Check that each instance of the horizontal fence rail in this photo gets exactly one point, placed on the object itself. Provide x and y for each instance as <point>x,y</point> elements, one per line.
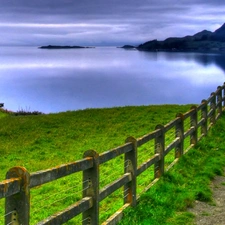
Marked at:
<point>49,175</point>
<point>179,135</point>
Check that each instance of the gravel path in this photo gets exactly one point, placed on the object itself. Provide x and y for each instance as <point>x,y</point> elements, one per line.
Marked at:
<point>212,213</point>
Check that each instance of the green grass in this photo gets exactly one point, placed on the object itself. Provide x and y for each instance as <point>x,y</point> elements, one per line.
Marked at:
<point>30,141</point>
<point>167,201</point>
<point>40,142</point>
<point>43,141</point>
<point>3,113</point>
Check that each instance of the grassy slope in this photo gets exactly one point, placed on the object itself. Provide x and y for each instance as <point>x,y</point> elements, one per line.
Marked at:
<point>43,141</point>
<point>167,201</point>
<point>31,141</point>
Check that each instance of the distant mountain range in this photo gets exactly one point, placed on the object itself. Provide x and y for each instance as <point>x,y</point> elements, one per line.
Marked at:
<point>204,41</point>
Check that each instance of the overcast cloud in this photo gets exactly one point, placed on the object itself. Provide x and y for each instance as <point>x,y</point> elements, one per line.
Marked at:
<point>104,22</point>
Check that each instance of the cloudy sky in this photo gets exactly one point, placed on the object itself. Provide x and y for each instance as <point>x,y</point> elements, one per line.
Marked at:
<point>104,22</point>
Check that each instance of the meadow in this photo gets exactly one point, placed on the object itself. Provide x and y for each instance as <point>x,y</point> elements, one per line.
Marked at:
<point>39,142</point>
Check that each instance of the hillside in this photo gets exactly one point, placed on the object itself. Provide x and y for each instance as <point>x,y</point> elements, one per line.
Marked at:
<point>204,41</point>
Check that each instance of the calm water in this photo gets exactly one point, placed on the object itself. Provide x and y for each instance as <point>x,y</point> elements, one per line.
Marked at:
<point>60,80</point>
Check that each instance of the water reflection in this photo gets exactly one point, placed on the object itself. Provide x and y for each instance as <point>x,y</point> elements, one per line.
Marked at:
<point>218,60</point>
<point>201,58</point>
<point>52,81</point>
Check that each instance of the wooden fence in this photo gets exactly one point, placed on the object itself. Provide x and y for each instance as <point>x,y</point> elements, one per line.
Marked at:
<point>16,188</point>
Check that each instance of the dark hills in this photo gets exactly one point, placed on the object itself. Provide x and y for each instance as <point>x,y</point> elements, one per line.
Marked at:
<point>204,41</point>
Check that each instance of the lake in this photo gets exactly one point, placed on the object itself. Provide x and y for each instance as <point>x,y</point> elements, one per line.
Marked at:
<point>45,80</point>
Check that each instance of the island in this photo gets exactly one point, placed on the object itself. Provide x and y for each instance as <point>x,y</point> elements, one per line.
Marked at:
<point>204,41</point>
<point>61,47</point>
<point>128,47</point>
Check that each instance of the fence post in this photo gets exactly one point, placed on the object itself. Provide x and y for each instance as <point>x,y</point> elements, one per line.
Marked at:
<point>204,127</point>
<point>194,123</point>
<point>219,100</point>
<point>91,189</point>
<point>130,166</point>
<point>159,149</point>
<point>223,95</point>
<point>213,107</point>
<point>179,129</point>
<point>17,206</point>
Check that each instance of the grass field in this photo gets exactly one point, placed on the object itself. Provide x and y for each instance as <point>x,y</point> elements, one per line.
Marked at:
<point>39,142</point>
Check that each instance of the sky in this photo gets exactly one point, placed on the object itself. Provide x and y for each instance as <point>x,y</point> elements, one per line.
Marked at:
<point>104,22</point>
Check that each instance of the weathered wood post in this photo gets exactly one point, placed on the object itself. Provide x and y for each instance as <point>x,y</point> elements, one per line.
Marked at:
<point>194,123</point>
<point>204,115</point>
<point>91,189</point>
<point>223,95</point>
<point>213,108</point>
<point>17,206</point>
<point>219,101</point>
<point>179,133</point>
<point>130,166</point>
<point>159,149</point>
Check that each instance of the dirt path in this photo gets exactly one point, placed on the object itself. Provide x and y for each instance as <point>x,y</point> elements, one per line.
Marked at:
<point>212,213</point>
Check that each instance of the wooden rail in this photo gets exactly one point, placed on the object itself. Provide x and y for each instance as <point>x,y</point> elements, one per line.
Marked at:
<point>16,188</point>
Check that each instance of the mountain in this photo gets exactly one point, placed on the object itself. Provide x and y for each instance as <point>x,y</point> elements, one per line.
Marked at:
<point>204,41</point>
<point>219,34</point>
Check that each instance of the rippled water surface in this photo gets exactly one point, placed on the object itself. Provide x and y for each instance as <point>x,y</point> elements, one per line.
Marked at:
<point>60,80</point>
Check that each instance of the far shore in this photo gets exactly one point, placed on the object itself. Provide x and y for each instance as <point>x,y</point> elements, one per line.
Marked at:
<point>62,47</point>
